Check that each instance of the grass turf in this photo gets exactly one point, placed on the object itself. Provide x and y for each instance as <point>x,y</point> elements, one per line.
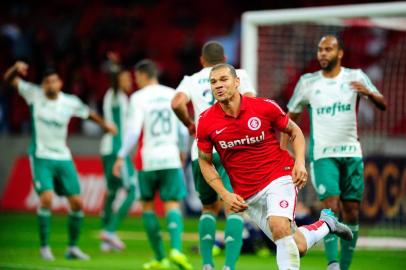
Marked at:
<point>19,248</point>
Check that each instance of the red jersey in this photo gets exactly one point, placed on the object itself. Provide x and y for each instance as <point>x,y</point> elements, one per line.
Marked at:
<point>247,145</point>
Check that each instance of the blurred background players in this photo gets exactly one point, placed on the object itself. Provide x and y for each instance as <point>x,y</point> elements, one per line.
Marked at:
<point>51,162</point>
<point>150,112</point>
<point>337,170</point>
<point>196,89</point>
<point>115,108</point>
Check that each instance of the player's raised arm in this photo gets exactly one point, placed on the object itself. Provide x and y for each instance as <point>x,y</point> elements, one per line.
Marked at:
<point>296,138</point>
<point>12,75</point>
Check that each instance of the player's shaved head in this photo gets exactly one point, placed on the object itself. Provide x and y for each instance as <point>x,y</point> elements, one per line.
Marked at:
<point>213,53</point>
<point>147,67</point>
<point>333,38</point>
<point>230,68</point>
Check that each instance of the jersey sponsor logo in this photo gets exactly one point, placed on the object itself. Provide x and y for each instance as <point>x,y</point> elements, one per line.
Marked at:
<point>242,141</point>
<point>50,123</point>
<point>221,130</point>
<point>333,109</point>
<point>340,149</point>
<point>254,123</point>
<point>284,204</point>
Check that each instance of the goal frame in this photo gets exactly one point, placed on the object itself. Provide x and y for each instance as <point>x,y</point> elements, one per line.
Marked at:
<point>251,20</point>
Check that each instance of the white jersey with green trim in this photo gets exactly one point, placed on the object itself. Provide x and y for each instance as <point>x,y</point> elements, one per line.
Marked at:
<point>50,119</point>
<point>150,110</point>
<point>333,107</point>
<point>197,89</point>
<point>115,109</point>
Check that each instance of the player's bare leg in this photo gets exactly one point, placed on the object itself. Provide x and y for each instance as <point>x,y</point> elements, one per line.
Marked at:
<point>350,213</point>
<point>174,221</point>
<point>75,219</point>
<point>331,240</point>
<point>44,221</point>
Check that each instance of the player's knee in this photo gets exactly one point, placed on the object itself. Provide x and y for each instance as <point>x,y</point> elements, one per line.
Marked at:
<point>213,208</point>
<point>279,228</point>
<point>46,199</point>
<point>332,203</point>
<point>350,215</point>
<point>75,203</point>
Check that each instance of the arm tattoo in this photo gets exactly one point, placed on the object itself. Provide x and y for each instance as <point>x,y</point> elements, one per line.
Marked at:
<point>204,156</point>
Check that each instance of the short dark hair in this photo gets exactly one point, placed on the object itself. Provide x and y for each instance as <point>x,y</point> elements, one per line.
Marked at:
<point>148,67</point>
<point>213,52</point>
<point>225,65</point>
<point>48,72</point>
<point>340,42</point>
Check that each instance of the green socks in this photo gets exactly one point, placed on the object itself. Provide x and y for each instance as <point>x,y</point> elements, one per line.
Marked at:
<point>331,247</point>
<point>348,247</point>
<point>74,223</point>
<point>152,227</point>
<point>44,222</point>
<point>175,228</point>
<point>108,209</point>
<point>233,239</point>
<point>207,231</point>
<point>116,218</point>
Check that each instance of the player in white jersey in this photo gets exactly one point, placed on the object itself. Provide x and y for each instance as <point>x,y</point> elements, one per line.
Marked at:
<point>331,96</point>
<point>115,107</point>
<point>196,89</point>
<point>150,112</point>
<point>51,161</point>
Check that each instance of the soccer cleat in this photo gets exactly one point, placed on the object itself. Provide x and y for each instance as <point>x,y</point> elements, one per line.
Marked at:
<point>226,268</point>
<point>180,260</point>
<point>157,265</point>
<point>105,247</point>
<point>336,227</point>
<point>333,266</point>
<point>46,254</point>
<point>75,253</point>
<point>113,240</point>
<point>208,267</point>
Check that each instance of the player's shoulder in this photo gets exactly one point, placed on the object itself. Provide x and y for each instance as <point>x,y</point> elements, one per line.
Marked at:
<point>311,76</point>
<point>69,98</point>
<point>259,102</point>
<point>352,73</point>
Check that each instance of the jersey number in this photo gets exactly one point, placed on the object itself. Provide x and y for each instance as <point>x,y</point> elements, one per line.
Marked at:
<point>161,122</point>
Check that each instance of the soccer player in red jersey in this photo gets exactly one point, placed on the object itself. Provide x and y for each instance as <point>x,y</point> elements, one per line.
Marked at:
<point>265,179</point>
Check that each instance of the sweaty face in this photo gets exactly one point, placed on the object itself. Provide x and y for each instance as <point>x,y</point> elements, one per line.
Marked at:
<point>223,84</point>
<point>52,85</point>
<point>328,53</point>
<point>124,81</point>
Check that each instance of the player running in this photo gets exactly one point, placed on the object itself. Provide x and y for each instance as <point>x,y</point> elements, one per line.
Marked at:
<point>264,177</point>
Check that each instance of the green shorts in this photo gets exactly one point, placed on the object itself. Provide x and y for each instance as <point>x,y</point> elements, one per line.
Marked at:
<point>127,178</point>
<point>208,195</point>
<point>343,177</point>
<point>56,175</point>
<point>168,182</point>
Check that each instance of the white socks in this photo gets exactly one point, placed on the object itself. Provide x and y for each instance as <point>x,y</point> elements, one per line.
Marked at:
<point>314,232</point>
<point>287,254</point>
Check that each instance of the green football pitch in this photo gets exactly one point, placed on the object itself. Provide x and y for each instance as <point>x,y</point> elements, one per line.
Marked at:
<point>19,248</point>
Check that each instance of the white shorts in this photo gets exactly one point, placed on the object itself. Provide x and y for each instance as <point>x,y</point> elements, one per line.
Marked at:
<point>276,199</point>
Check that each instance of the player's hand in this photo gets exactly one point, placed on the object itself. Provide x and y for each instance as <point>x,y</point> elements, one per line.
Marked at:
<point>117,167</point>
<point>360,88</point>
<point>192,129</point>
<point>299,174</point>
<point>110,128</point>
<point>234,203</point>
<point>21,68</point>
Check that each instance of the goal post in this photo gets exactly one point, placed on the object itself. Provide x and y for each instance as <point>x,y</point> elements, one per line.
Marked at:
<point>251,20</point>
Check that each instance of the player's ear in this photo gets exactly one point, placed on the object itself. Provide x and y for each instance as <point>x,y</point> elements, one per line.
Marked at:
<point>202,62</point>
<point>340,53</point>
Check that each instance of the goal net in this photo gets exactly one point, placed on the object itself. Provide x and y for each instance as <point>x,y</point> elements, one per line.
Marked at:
<point>280,46</point>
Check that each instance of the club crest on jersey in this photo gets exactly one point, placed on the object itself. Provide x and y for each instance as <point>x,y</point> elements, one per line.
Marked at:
<point>284,204</point>
<point>254,123</point>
